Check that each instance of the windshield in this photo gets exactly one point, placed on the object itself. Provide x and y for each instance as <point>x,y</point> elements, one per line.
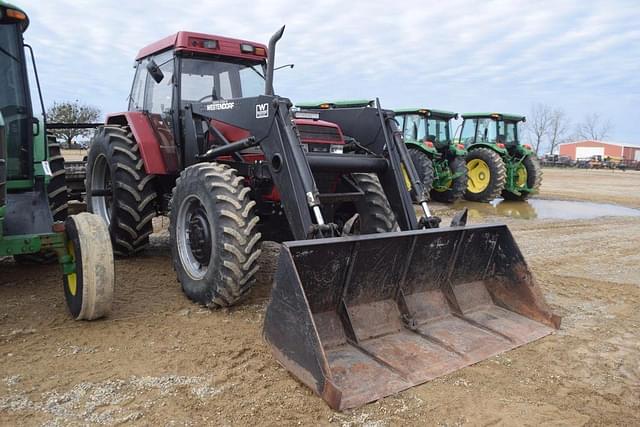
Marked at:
<point>207,80</point>
<point>415,127</point>
<point>14,104</point>
<point>438,131</point>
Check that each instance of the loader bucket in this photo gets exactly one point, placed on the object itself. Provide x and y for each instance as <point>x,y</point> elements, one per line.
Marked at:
<point>360,318</point>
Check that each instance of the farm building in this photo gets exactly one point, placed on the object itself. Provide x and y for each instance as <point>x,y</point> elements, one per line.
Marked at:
<point>587,149</point>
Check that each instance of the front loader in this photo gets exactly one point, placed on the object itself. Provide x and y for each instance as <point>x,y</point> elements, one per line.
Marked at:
<point>368,299</point>
<point>34,226</point>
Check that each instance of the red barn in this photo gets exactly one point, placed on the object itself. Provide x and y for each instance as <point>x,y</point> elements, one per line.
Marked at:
<point>586,149</point>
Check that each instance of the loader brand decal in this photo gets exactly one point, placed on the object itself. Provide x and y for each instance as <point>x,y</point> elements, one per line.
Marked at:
<point>220,106</point>
<point>262,110</point>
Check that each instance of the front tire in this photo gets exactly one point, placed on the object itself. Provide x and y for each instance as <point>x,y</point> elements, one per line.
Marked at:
<point>214,238</point>
<point>456,187</point>
<point>375,213</point>
<point>486,175</point>
<point>127,196</point>
<point>89,291</point>
<point>529,175</point>
<point>424,167</point>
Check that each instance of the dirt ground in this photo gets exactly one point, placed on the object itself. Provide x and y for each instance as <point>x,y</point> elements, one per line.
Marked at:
<point>161,360</point>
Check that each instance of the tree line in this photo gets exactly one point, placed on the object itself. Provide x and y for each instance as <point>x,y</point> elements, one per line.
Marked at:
<point>547,127</point>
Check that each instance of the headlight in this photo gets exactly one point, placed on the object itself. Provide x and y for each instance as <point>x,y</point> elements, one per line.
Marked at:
<point>337,149</point>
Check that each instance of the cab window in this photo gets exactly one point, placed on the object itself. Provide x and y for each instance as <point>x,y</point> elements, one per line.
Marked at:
<point>486,131</point>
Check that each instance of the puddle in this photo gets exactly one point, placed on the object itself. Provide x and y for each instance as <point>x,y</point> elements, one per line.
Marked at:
<point>545,209</point>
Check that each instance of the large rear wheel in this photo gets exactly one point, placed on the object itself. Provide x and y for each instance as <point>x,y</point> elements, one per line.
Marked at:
<point>424,167</point>
<point>214,238</point>
<point>528,176</point>
<point>486,175</point>
<point>453,189</point>
<point>119,189</point>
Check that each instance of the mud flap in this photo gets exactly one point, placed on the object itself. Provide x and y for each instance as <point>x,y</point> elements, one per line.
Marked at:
<point>360,318</point>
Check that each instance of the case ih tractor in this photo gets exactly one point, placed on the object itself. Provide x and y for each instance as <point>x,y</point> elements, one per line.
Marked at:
<point>34,226</point>
<point>367,299</point>
<point>497,163</point>
<point>437,158</point>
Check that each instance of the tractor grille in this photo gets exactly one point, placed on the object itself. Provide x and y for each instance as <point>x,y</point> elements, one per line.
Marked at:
<point>319,133</point>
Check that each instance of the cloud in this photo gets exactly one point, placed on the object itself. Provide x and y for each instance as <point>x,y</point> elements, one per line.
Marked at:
<point>582,56</point>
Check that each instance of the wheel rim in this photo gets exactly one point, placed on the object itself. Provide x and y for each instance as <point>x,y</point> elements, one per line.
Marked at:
<point>72,279</point>
<point>521,176</point>
<point>479,175</point>
<point>101,181</point>
<point>193,237</point>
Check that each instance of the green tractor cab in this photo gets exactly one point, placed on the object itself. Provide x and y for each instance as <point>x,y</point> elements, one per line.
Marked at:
<point>498,164</point>
<point>438,159</point>
<point>34,226</point>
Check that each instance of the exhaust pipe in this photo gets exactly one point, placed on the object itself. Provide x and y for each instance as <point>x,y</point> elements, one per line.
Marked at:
<point>268,90</point>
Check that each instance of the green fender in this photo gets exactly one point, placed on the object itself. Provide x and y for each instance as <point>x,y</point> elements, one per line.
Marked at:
<point>494,147</point>
<point>457,152</point>
<point>431,151</point>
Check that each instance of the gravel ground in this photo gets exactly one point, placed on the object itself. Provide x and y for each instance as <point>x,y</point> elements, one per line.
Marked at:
<point>160,360</point>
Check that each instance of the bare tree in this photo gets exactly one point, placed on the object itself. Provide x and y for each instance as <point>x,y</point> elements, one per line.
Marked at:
<point>559,125</point>
<point>537,125</point>
<point>594,127</point>
<point>72,112</point>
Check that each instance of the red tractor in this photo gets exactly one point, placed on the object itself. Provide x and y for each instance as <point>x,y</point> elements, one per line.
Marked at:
<point>206,141</point>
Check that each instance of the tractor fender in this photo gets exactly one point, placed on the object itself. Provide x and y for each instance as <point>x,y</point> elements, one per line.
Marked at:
<point>524,151</point>
<point>146,137</point>
<point>431,151</point>
<point>494,147</point>
<point>457,150</point>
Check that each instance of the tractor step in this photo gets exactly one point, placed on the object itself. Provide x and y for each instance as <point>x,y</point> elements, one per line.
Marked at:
<point>360,318</point>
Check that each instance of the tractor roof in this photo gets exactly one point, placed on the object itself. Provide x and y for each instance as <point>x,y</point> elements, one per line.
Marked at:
<point>10,14</point>
<point>502,116</point>
<point>431,112</point>
<point>351,103</point>
<point>206,44</point>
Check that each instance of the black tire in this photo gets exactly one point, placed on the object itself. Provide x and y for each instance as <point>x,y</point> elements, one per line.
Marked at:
<point>89,291</point>
<point>458,186</point>
<point>58,201</point>
<point>214,238</point>
<point>115,164</point>
<point>424,166</point>
<point>534,179</point>
<point>491,186</point>
<point>374,211</point>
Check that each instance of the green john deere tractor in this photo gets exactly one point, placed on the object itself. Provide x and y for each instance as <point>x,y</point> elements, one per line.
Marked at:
<point>34,226</point>
<point>498,165</point>
<point>438,160</point>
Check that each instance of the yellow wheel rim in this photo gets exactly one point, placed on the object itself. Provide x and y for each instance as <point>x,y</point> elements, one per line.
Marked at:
<point>521,176</point>
<point>479,175</point>
<point>72,279</point>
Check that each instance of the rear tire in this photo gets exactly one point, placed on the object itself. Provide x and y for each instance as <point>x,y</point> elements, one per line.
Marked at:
<point>424,166</point>
<point>373,208</point>
<point>114,164</point>
<point>458,185</point>
<point>486,175</point>
<point>58,198</point>
<point>89,291</point>
<point>533,171</point>
<point>214,238</point>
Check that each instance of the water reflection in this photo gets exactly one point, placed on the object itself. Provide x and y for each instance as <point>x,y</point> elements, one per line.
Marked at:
<point>545,209</point>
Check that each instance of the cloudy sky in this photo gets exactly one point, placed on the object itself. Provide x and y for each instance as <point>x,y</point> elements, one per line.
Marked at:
<point>501,55</point>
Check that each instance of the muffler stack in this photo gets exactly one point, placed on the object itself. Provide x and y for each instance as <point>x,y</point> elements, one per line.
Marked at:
<point>360,318</point>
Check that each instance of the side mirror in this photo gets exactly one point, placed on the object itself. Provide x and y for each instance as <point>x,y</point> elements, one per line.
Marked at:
<point>155,71</point>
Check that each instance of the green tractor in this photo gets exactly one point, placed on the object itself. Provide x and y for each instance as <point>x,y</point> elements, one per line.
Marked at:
<point>439,161</point>
<point>498,165</point>
<point>34,226</point>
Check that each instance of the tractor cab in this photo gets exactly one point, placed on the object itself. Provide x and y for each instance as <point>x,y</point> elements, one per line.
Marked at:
<point>427,126</point>
<point>497,129</point>
<point>15,104</point>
